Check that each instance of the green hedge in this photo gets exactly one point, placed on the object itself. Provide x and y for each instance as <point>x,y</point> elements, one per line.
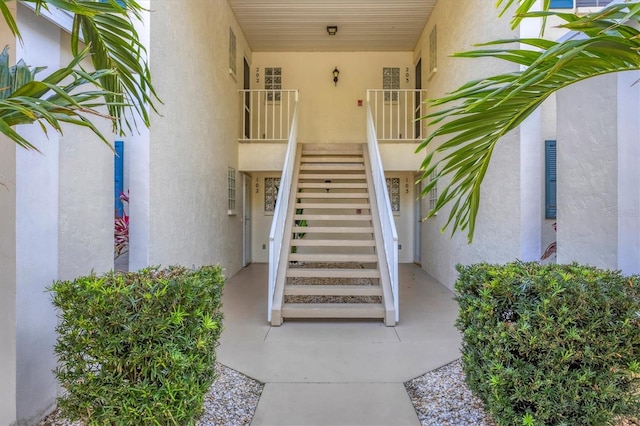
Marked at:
<point>138,348</point>
<point>551,345</point>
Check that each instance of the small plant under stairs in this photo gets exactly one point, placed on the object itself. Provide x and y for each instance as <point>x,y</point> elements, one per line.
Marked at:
<point>333,266</point>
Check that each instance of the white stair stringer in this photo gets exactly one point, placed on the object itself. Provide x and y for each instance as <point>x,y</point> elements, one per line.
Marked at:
<point>331,263</point>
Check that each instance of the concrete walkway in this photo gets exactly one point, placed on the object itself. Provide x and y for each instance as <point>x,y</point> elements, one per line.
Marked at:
<point>339,372</point>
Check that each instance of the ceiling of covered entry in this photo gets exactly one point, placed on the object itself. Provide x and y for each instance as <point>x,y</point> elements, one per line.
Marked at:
<point>301,25</point>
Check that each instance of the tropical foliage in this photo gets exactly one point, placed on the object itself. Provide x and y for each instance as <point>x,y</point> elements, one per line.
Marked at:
<point>121,229</point>
<point>103,34</point>
<point>470,121</point>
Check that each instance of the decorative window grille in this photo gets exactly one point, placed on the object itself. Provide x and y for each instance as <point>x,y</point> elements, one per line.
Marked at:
<point>391,82</point>
<point>232,52</point>
<point>393,187</point>
<point>433,194</point>
<point>433,50</point>
<point>231,184</point>
<point>271,187</point>
<point>273,81</point>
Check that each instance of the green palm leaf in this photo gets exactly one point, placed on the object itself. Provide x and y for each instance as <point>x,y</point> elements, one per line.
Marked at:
<point>107,28</point>
<point>478,114</point>
<point>25,100</point>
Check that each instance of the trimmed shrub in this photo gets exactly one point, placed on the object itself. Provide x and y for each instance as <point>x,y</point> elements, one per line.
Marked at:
<point>137,348</point>
<point>551,345</point>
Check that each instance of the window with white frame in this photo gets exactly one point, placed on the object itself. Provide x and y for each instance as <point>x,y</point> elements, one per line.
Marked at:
<point>433,193</point>
<point>231,185</point>
<point>433,50</point>
<point>273,81</point>
<point>232,52</point>
<point>391,83</point>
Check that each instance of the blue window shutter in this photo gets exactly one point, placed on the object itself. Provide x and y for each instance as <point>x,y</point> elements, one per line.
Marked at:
<point>119,176</point>
<point>550,179</point>
<point>561,4</point>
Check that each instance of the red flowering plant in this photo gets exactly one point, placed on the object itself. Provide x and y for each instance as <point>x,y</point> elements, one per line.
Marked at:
<point>551,248</point>
<point>121,235</point>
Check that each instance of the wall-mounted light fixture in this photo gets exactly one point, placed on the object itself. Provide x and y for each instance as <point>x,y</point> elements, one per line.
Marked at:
<point>328,182</point>
<point>332,30</point>
<point>336,73</point>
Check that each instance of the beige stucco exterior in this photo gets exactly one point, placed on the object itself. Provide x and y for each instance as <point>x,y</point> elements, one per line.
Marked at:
<point>498,225</point>
<point>194,139</point>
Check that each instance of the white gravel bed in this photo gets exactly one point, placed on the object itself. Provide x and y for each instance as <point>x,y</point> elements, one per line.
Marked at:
<point>441,398</point>
<point>231,401</point>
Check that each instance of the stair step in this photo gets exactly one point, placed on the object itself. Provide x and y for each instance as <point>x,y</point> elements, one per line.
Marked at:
<point>335,158</point>
<point>332,273</point>
<point>333,206</point>
<point>332,310</point>
<point>336,195</point>
<point>354,217</point>
<point>322,257</point>
<point>332,243</point>
<point>333,176</point>
<point>322,185</point>
<point>332,229</point>
<point>333,290</point>
<point>355,151</point>
<point>332,167</point>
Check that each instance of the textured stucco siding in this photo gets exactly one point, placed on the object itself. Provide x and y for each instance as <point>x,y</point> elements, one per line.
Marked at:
<point>195,141</point>
<point>498,226</point>
<point>86,197</point>
<point>8,263</point>
<point>37,238</point>
<point>628,213</point>
<point>587,173</point>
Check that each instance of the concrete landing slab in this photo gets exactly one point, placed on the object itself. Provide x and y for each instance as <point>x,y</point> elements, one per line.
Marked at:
<point>334,404</point>
<point>337,372</point>
<point>333,331</point>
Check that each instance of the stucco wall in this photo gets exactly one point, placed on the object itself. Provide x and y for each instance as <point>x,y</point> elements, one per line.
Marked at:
<point>587,172</point>
<point>498,225</point>
<point>37,237</point>
<point>195,141</point>
<point>8,263</point>
<point>330,113</point>
<point>136,164</point>
<point>86,197</point>
<point>7,282</point>
<point>628,213</point>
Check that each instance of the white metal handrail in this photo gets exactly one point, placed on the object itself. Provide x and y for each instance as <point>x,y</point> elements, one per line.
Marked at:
<point>389,232</point>
<point>395,113</point>
<point>276,235</point>
<point>267,114</point>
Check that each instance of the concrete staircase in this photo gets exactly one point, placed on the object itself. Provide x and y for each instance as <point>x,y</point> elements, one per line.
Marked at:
<point>333,268</point>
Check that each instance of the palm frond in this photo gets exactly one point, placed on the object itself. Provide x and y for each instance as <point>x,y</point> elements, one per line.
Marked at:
<point>478,114</point>
<point>108,29</point>
<point>51,101</point>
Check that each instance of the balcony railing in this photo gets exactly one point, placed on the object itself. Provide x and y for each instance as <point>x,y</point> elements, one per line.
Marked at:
<point>267,115</point>
<point>396,112</point>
